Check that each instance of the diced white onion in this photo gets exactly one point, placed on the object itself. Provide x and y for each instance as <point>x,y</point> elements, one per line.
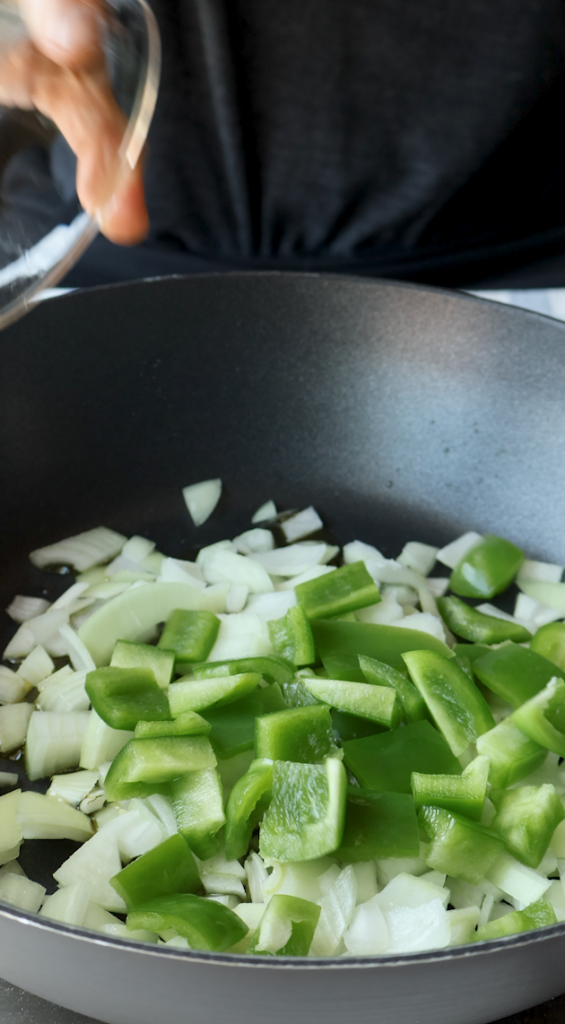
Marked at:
<point>532,570</point>
<point>36,667</point>
<point>417,556</point>
<point>301,524</point>
<point>254,540</point>
<point>533,614</point>
<point>462,924</point>
<point>241,635</point>
<point>8,779</point>
<point>14,720</point>
<point>387,612</point>
<point>13,688</point>
<point>175,571</point>
<point>54,741</point>
<point>101,743</point>
<point>137,548</point>
<point>94,864</point>
<point>366,876</point>
<point>453,553</point>
<point>367,934</point>
<point>437,585</point>
<point>516,880</point>
<point>70,595</point>
<point>292,560</point>
<point>21,892</point>
<point>228,567</point>
<point>79,654</point>
<point>64,693</point>
<point>257,876</point>
<point>45,817</point>
<point>73,787</point>
<point>68,905</point>
<point>271,606</point>
<point>21,644</point>
<point>266,511</point>
<point>81,551</point>
<point>548,593</point>
<point>424,622</point>
<point>358,551</point>
<point>337,910</point>
<point>201,499</point>
<point>237,598</point>
<point>23,608</point>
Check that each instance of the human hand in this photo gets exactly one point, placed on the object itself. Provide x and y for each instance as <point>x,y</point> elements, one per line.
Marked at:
<point>60,71</point>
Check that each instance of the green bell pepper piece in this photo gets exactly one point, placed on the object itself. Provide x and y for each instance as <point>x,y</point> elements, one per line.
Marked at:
<point>143,764</point>
<point>286,916</point>
<point>459,846</point>
<point>205,924</point>
<point>167,868</point>
<point>386,762</point>
<point>233,726</point>
<point>476,626</point>
<point>352,727</point>
<point>537,915</point>
<point>344,590</point>
<point>198,803</point>
<point>377,703</point>
<point>291,637</point>
<point>515,673</point>
<point>269,665</point>
<point>188,724</point>
<point>189,694</point>
<point>190,634</point>
<point>526,820</point>
<point>342,665</point>
<point>386,643</point>
<point>298,734</point>
<point>549,641</point>
<point>543,717</point>
<point>512,755</point>
<point>463,794</point>
<point>246,805</point>
<point>306,816</point>
<point>456,705</point>
<point>470,651</point>
<point>124,696</point>
<point>378,825</point>
<point>412,703</point>
<point>295,693</point>
<point>131,655</point>
<point>487,569</point>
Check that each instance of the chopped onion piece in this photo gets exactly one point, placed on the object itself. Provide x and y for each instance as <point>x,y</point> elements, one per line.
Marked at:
<point>451,554</point>
<point>13,688</point>
<point>301,524</point>
<point>94,864</point>
<point>437,585</point>
<point>532,570</point>
<point>548,593</point>
<point>267,510</point>
<point>292,560</point>
<point>81,551</point>
<point>257,876</point>
<point>23,608</point>
<point>70,595</point>
<point>417,556</point>
<point>367,934</point>
<point>338,908</point>
<point>556,896</point>
<point>271,606</point>
<point>95,918</point>
<point>366,876</point>
<point>73,787</point>
<point>228,567</point>
<point>21,644</point>
<point>79,654</point>
<point>462,924</point>
<point>36,667</point>
<point>46,627</point>
<point>387,612</point>
<point>424,622</point>
<point>237,598</point>
<point>358,551</point>
<point>254,540</point>
<point>101,743</point>
<point>241,635</point>
<point>10,827</point>
<point>201,499</point>
<point>161,806</point>
<point>68,905</point>
<point>64,693</point>
<point>8,780</point>
<point>45,817</point>
<point>297,879</point>
<point>175,571</point>
<point>54,741</point>
<point>138,548</point>
<point>533,614</point>
<point>14,720</point>
<point>516,880</point>
<point>21,892</point>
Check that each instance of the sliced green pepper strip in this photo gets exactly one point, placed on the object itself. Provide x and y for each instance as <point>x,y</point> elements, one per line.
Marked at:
<point>197,694</point>
<point>270,666</point>
<point>188,724</point>
<point>295,693</point>
<point>233,726</point>
<point>124,696</point>
<point>143,764</point>
<point>386,762</point>
<point>456,705</point>
<point>131,655</point>
<point>286,916</point>
<point>537,915</point>
<point>378,825</point>
<point>526,820</point>
<point>515,673</point>
<point>245,807</point>
<point>205,924</point>
<point>291,637</point>
<point>386,643</point>
<point>190,635</point>
<point>549,641</point>
<point>512,755</point>
<point>342,665</point>
<point>476,626</point>
<point>543,717</point>
<point>344,590</point>
<point>306,816</point>
<point>459,846</point>
<point>377,703</point>
<point>167,868</point>
<point>198,803</point>
<point>487,569</point>
<point>470,651</point>
<point>463,794</point>
<point>411,701</point>
<point>298,734</point>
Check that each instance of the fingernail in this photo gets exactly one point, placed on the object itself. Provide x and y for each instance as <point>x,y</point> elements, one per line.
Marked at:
<point>69,27</point>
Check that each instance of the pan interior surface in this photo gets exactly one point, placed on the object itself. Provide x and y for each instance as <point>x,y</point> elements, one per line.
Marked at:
<point>399,412</point>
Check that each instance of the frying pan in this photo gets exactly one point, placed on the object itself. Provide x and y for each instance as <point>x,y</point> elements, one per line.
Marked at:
<point>401,413</point>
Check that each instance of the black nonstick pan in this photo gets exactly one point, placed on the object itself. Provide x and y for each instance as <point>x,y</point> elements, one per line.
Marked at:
<point>400,413</point>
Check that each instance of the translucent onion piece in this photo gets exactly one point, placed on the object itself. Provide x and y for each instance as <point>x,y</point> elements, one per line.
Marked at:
<point>14,720</point>
<point>266,511</point>
<point>21,892</point>
<point>81,551</point>
<point>54,741</point>
<point>201,499</point>
<point>23,608</point>
<point>254,540</point>
<point>452,553</point>
<point>36,667</point>
<point>301,524</point>
<point>417,556</point>
<point>13,688</point>
<point>532,570</point>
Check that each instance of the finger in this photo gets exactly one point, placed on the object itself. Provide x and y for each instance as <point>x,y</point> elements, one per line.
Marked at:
<point>66,31</point>
<point>124,218</point>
